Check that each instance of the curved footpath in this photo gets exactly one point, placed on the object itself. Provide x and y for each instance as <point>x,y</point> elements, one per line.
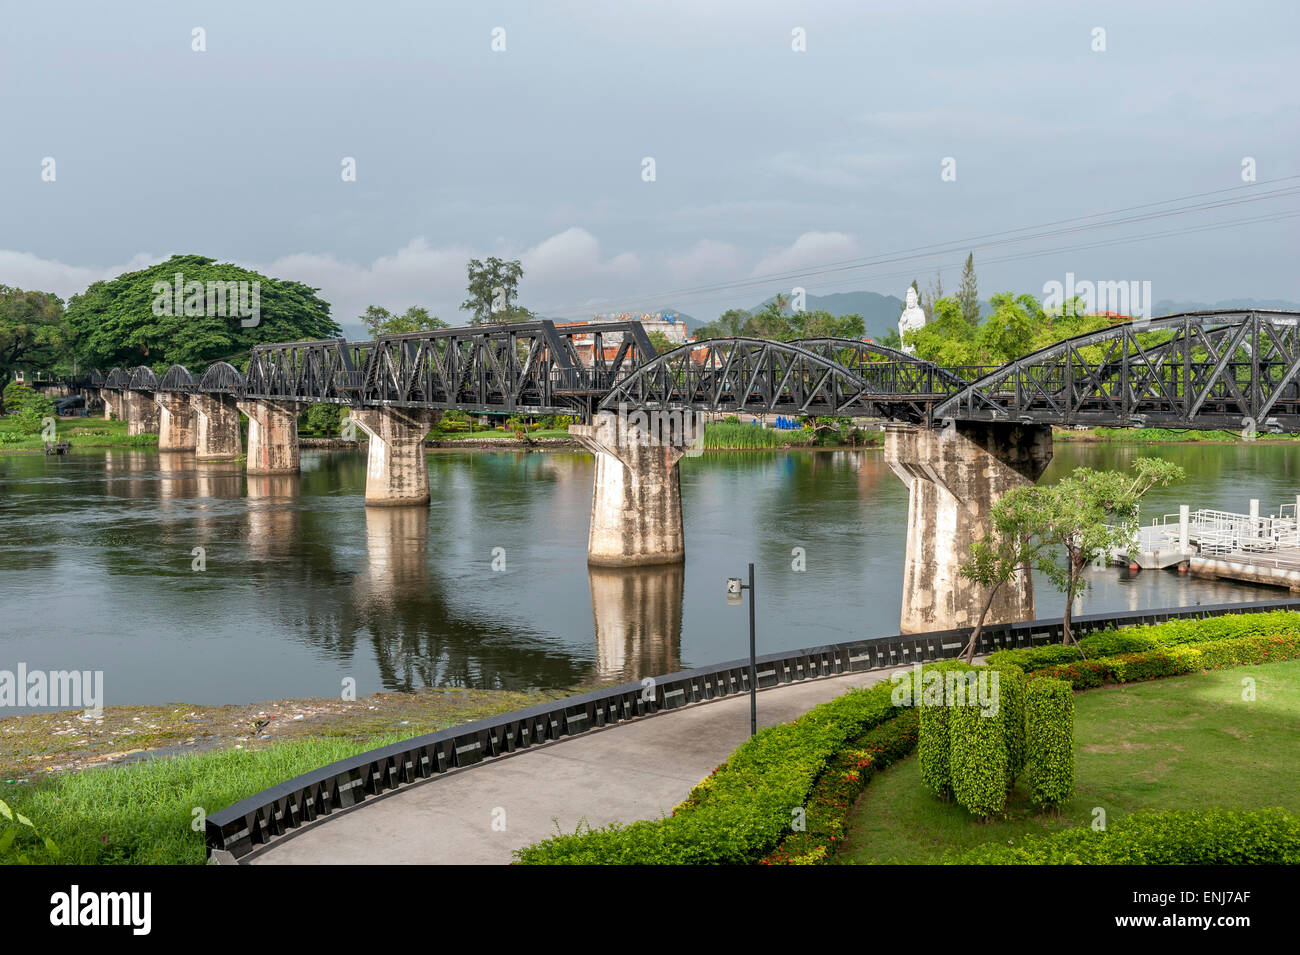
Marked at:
<point>621,773</point>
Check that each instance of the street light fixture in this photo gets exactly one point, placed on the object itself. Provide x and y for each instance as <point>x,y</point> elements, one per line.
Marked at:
<point>734,589</point>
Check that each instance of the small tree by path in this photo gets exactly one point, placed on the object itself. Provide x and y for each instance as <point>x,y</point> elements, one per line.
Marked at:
<point>1010,549</point>
<point>1060,530</point>
<point>1091,513</point>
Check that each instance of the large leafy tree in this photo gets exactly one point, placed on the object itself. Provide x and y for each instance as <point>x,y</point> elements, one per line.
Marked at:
<point>493,288</point>
<point>115,322</point>
<point>33,333</point>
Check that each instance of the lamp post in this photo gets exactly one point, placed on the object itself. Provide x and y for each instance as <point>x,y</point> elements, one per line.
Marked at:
<point>734,588</point>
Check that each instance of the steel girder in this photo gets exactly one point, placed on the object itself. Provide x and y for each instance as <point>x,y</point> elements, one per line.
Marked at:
<point>529,367</point>
<point>1197,370</point>
<point>750,375</point>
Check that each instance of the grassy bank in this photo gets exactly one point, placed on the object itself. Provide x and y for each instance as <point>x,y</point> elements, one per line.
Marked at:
<point>1183,743</point>
<point>78,432</point>
<point>84,785</point>
<point>1162,436</point>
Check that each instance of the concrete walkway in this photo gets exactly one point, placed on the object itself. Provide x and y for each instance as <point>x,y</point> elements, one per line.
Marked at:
<point>478,815</point>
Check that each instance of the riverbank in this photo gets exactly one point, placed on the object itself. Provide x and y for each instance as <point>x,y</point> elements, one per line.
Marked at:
<point>78,432</point>
<point>35,745</point>
<point>1161,436</point>
<point>718,436</point>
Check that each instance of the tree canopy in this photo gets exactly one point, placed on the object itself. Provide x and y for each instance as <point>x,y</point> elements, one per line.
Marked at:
<point>33,333</point>
<point>380,321</point>
<point>493,287</point>
<point>776,320</point>
<point>128,321</point>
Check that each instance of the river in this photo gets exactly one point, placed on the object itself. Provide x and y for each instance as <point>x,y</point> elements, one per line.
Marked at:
<point>303,588</point>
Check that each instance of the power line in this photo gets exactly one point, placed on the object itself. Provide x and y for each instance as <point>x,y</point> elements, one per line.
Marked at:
<point>1056,250</point>
<point>980,242</point>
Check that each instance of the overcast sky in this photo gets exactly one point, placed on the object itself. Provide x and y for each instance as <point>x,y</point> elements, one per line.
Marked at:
<point>767,160</point>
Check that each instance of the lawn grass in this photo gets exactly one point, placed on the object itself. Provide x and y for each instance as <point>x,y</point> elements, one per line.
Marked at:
<point>79,432</point>
<point>142,812</point>
<point>1183,743</point>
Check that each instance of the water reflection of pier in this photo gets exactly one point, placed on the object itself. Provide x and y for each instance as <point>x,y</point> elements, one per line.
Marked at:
<point>638,620</point>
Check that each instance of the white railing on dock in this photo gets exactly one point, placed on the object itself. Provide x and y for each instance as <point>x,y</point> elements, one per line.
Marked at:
<point>1217,533</point>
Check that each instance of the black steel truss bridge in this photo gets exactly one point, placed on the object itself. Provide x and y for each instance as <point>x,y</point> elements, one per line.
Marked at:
<point>1199,370</point>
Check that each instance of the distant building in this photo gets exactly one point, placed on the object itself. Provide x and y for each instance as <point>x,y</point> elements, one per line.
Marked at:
<point>672,327</point>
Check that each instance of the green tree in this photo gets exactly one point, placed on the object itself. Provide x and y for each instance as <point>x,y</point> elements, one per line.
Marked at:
<point>1010,549</point>
<point>1011,329</point>
<point>730,324</point>
<point>493,287</point>
<point>661,342</point>
<point>947,338</point>
<point>968,293</point>
<point>128,320</point>
<point>1062,528</point>
<point>27,407</point>
<point>380,321</point>
<point>821,324</point>
<point>33,333</point>
<point>322,418</point>
<point>891,339</point>
<point>1091,513</point>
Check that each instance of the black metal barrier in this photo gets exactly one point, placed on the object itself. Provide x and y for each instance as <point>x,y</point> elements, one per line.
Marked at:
<point>254,821</point>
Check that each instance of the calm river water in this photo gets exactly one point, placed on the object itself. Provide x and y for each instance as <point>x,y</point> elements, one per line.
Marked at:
<point>304,586</point>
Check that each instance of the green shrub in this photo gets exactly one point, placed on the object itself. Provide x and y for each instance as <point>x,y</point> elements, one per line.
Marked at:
<point>978,756</point>
<point>27,407</point>
<point>1032,658</point>
<point>838,787</point>
<point>932,750</point>
<point>1186,837</point>
<point>1011,711</point>
<point>744,809</point>
<point>933,741</point>
<point>1175,660</point>
<point>1049,741</point>
<point>1171,633</point>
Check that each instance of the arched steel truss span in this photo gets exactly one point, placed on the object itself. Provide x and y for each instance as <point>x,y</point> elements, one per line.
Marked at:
<point>1198,370</point>
<point>750,375</point>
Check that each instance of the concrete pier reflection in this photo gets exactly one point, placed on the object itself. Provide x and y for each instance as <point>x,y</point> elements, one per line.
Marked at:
<point>638,616</point>
<point>272,514</point>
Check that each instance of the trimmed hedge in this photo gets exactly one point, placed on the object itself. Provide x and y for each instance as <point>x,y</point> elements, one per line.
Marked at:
<point>932,747</point>
<point>838,789</point>
<point>1153,636</point>
<point>1049,713</point>
<point>744,809</point>
<point>1011,712</point>
<point>1186,837</point>
<point>1175,660</point>
<point>932,737</point>
<point>980,770</point>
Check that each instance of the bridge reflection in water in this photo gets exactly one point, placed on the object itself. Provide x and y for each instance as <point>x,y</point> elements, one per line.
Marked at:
<point>638,617</point>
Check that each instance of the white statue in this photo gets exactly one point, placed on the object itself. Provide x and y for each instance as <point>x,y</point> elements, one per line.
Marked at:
<point>913,317</point>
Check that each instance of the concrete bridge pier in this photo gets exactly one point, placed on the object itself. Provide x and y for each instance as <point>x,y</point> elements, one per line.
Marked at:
<point>272,436</point>
<point>141,412</point>
<point>396,470</point>
<point>954,476</point>
<point>112,403</point>
<point>636,505</point>
<point>216,427</point>
<point>175,422</point>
